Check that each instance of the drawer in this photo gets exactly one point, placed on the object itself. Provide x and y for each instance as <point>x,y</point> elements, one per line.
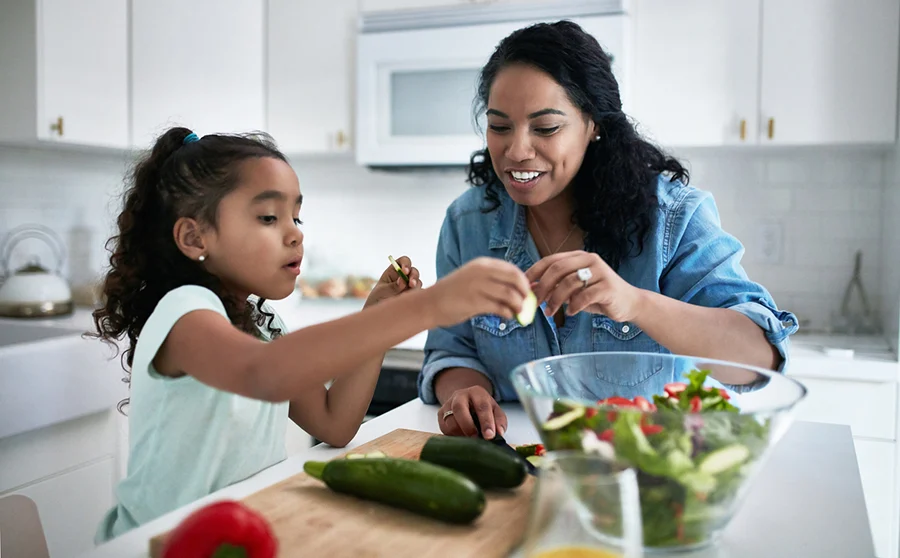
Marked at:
<point>868,408</point>
<point>877,464</point>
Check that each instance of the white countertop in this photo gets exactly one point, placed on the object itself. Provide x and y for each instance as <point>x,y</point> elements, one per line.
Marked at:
<point>295,311</point>
<point>807,500</point>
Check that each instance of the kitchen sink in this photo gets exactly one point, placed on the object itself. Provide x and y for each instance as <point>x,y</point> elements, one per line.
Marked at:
<point>50,374</point>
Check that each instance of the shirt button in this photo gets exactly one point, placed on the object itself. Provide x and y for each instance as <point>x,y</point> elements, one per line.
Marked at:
<point>501,327</point>
<point>625,328</point>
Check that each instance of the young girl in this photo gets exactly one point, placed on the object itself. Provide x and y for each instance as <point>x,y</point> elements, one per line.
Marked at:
<point>208,226</point>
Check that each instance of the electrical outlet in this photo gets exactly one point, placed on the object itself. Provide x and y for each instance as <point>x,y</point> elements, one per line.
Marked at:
<point>770,241</point>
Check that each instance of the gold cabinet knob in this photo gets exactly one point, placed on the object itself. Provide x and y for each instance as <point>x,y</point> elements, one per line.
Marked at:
<point>771,128</point>
<point>340,138</point>
<point>743,129</point>
<point>57,126</point>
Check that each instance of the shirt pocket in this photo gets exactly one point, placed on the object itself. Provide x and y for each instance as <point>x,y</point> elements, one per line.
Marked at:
<point>502,345</point>
<point>495,326</point>
<point>611,336</point>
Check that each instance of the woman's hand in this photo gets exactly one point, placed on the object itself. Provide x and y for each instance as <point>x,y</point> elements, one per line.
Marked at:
<point>555,279</point>
<point>481,286</point>
<point>455,415</point>
<point>391,284</point>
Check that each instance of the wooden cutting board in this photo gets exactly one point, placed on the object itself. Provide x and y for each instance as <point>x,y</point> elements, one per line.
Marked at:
<point>311,520</point>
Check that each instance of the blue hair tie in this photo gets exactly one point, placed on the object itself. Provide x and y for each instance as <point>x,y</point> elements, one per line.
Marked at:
<point>191,138</point>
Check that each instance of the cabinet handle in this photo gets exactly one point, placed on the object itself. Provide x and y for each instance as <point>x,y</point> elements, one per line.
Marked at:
<point>743,129</point>
<point>771,128</point>
<point>340,138</point>
<point>57,126</point>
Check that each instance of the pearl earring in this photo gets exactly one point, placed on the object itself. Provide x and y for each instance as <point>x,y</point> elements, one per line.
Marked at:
<point>597,137</point>
<point>202,258</point>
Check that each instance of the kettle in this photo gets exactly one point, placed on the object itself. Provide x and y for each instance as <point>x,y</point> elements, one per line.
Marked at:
<point>33,291</point>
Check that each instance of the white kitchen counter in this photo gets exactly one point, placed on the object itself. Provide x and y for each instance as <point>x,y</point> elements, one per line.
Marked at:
<point>293,310</point>
<point>807,500</point>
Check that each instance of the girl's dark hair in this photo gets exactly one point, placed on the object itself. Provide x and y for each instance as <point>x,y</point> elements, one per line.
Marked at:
<point>615,188</point>
<point>176,179</point>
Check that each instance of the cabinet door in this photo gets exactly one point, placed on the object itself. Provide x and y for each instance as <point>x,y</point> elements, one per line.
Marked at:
<point>877,468</point>
<point>198,64</point>
<point>310,76</point>
<point>829,71</point>
<point>83,72</point>
<point>71,506</point>
<point>383,5</point>
<point>696,67</point>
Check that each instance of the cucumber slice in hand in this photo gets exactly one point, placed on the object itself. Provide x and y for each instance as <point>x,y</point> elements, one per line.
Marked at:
<point>397,269</point>
<point>529,307</point>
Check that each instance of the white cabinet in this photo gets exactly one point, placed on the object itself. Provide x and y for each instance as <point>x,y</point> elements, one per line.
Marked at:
<point>70,471</point>
<point>384,5</point>
<point>695,71</point>
<point>877,468</point>
<point>829,71</point>
<point>199,64</point>
<point>865,399</point>
<point>71,506</point>
<point>311,53</point>
<point>62,81</point>
<point>785,72</point>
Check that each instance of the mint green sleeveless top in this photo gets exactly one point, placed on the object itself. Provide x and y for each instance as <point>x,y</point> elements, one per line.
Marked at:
<point>187,439</point>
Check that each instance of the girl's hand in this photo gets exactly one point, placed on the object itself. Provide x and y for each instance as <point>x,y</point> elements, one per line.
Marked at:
<point>391,284</point>
<point>465,402</point>
<point>481,286</point>
<point>555,280</point>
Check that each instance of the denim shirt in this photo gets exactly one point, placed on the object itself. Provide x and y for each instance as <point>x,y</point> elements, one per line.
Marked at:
<point>686,256</point>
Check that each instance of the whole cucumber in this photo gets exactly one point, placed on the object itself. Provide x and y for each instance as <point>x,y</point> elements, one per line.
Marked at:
<point>483,462</point>
<point>415,486</point>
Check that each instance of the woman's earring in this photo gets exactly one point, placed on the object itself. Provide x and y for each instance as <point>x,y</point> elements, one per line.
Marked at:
<point>202,257</point>
<point>597,137</point>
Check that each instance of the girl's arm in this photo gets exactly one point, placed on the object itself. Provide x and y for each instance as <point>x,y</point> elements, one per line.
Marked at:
<point>207,346</point>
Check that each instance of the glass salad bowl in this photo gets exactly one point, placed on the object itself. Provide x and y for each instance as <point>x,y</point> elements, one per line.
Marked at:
<point>695,430</point>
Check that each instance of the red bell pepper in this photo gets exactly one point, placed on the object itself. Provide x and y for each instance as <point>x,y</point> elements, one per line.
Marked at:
<point>606,435</point>
<point>590,412</point>
<point>224,529</point>
<point>724,394</point>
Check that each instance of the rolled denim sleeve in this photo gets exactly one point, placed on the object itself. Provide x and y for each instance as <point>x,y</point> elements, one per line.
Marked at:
<point>704,268</point>
<point>449,347</point>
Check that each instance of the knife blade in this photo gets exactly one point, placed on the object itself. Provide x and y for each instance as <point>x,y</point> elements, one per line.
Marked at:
<point>500,441</point>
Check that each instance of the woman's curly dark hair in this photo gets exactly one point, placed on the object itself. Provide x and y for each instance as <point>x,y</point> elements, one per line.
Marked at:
<point>175,180</point>
<point>615,188</point>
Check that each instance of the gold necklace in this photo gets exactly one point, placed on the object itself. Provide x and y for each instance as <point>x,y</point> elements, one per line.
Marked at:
<point>546,244</point>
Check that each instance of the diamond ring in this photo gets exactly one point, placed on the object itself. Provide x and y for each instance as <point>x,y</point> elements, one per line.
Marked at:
<point>447,413</point>
<point>584,275</point>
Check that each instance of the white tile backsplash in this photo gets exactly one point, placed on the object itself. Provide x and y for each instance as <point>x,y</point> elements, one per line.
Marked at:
<point>828,204</point>
<point>890,238</point>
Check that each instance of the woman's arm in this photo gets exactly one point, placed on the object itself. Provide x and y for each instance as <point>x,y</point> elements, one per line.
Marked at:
<point>707,306</point>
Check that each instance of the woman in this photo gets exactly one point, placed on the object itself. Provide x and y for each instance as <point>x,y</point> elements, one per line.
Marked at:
<point>622,254</point>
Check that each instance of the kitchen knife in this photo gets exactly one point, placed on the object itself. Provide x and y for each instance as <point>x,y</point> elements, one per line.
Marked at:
<point>499,441</point>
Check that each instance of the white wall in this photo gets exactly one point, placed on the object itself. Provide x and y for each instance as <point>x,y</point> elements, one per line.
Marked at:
<point>828,204</point>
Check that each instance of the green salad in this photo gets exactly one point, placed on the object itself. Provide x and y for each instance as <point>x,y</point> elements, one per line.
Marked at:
<point>691,448</point>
